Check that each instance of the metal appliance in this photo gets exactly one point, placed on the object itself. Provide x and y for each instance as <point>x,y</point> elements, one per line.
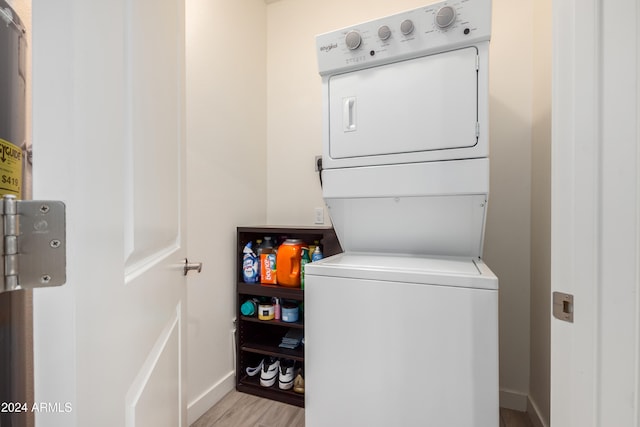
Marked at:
<point>16,375</point>
<point>413,335</point>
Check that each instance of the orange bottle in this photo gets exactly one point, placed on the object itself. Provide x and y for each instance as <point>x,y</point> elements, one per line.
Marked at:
<point>288,263</point>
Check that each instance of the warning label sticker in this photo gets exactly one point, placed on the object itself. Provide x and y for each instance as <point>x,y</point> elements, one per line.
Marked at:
<point>10,169</point>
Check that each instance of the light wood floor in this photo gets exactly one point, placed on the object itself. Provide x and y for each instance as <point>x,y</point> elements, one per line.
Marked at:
<point>244,410</point>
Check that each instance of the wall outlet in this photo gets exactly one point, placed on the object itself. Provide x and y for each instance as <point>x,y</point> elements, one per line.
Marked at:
<point>319,216</point>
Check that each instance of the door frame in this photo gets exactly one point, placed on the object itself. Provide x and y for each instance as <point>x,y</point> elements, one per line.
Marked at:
<point>595,232</point>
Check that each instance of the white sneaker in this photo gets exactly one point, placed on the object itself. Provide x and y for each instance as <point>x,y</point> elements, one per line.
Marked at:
<point>285,379</point>
<point>253,371</point>
<point>269,372</point>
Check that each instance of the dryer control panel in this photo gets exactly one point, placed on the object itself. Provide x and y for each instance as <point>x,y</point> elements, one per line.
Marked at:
<point>441,26</point>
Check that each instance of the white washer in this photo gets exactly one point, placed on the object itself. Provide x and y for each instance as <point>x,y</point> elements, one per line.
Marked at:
<point>402,329</point>
<point>400,341</point>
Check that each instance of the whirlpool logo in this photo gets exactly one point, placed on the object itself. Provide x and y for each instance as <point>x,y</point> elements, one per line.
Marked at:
<point>328,47</point>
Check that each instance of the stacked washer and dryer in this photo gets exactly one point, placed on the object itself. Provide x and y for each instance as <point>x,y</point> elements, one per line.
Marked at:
<point>402,328</point>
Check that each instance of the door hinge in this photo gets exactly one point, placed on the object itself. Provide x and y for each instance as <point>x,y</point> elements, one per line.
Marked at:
<point>34,243</point>
<point>563,306</point>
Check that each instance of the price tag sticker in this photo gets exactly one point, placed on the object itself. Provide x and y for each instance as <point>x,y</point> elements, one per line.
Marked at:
<point>10,169</point>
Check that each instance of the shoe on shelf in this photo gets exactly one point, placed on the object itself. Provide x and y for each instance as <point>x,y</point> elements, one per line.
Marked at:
<point>285,379</point>
<point>298,383</point>
<point>253,371</point>
<point>269,372</point>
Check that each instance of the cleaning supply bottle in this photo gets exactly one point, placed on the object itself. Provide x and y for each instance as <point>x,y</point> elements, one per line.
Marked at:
<point>249,307</point>
<point>258,252</point>
<point>267,243</point>
<point>276,306</point>
<point>249,265</point>
<point>303,262</point>
<point>317,254</point>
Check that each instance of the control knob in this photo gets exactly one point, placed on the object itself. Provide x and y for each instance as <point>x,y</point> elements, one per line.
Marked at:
<point>445,16</point>
<point>406,27</point>
<point>353,39</point>
<point>384,32</point>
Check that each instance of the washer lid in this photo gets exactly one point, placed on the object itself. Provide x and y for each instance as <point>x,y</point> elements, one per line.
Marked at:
<point>443,271</point>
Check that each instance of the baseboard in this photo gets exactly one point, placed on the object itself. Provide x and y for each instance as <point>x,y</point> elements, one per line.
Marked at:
<point>206,400</point>
<point>513,400</point>
<point>534,414</point>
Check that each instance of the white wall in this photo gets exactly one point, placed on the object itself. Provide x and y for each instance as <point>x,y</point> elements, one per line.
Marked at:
<point>294,98</point>
<point>507,239</point>
<point>539,381</point>
<point>226,166</point>
<point>294,137</point>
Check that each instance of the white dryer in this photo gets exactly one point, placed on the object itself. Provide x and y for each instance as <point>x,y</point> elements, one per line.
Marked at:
<point>406,129</point>
<point>402,329</point>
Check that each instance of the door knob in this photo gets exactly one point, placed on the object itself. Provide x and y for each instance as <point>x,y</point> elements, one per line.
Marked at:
<point>188,266</point>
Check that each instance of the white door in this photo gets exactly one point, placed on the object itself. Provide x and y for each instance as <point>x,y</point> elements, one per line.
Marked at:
<point>108,131</point>
<point>595,368</point>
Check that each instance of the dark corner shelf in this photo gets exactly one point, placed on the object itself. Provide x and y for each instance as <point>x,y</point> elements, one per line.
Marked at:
<point>257,339</point>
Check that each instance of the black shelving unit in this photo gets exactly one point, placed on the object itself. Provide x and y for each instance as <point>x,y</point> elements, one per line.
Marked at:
<point>259,339</point>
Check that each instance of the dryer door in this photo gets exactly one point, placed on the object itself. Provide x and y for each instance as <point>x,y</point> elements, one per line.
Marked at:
<point>423,105</point>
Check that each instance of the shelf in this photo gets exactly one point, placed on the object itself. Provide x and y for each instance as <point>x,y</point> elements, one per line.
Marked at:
<point>257,339</point>
<point>261,290</point>
<point>295,325</point>
<point>319,230</point>
<point>296,354</point>
<point>252,385</point>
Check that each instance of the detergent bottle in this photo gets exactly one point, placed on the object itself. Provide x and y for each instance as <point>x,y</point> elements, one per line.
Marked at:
<point>288,262</point>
